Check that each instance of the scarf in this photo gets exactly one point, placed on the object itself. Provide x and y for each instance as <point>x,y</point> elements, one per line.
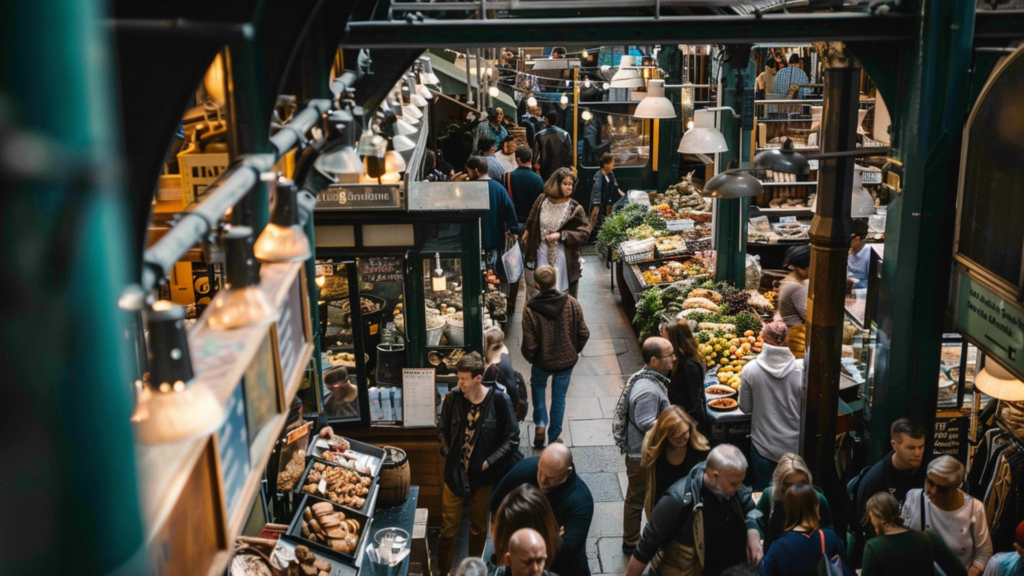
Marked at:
<point>552,217</point>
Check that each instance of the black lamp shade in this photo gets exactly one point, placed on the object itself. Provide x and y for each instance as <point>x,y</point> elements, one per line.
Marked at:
<point>785,159</point>
<point>169,360</point>
<point>241,267</point>
<point>285,212</point>
<point>733,185</point>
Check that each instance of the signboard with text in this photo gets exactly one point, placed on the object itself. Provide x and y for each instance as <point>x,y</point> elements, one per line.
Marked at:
<point>361,197</point>
<point>992,323</point>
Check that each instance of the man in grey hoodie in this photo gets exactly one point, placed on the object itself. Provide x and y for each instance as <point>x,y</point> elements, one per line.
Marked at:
<point>643,399</point>
<point>770,389</point>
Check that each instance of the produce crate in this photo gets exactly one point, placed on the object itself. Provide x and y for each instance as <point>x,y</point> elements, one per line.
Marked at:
<point>371,496</point>
<point>638,270</point>
<point>294,533</point>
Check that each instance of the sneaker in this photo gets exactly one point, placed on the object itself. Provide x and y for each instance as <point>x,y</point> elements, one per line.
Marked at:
<point>559,440</point>
<point>538,437</point>
<point>628,549</point>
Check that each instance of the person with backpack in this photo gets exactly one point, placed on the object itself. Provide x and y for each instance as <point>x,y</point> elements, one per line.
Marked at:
<point>805,549</point>
<point>500,371</point>
<point>902,551</point>
<point>479,440</point>
<point>896,473</point>
<point>554,334</point>
<point>642,400</point>
<point>705,523</point>
<point>941,508</point>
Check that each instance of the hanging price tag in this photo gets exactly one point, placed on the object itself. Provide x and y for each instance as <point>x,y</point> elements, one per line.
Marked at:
<point>322,486</point>
<point>680,225</point>
<point>813,164</point>
<point>785,219</point>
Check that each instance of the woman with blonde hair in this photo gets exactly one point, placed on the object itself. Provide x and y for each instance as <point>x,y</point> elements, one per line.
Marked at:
<point>524,507</point>
<point>555,229</point>
<point>798,550</point>
<point>899,550</point>
<point>672,447</point>
<point>792,470</point>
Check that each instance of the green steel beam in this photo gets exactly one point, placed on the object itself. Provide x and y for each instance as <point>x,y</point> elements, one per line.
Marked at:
<point>849,27</point>
<point>731,214</point>
<point>929,115</point>
<point>68,475</point>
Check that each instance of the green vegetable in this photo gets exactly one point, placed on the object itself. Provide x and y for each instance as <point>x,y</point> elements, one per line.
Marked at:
<point>746,321</point>
<point>615,228</point>
<point>648,314</point>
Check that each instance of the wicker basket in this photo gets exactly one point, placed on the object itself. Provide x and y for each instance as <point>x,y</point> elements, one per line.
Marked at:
<point>641,256</point>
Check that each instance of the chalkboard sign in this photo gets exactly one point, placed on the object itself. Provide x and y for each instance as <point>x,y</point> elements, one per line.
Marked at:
<point>291,331</point>
<point>233,445</point>
<point>747,110</point>
<point>951,436</point>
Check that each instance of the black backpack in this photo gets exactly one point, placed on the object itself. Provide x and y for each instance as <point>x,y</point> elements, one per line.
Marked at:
<point>521,407</point>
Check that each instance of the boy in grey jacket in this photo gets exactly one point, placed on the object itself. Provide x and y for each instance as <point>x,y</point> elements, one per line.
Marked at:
<point>643,398</point>
<point>770,389</point>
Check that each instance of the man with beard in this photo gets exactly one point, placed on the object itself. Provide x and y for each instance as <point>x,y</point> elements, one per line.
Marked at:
<point>570,500</point>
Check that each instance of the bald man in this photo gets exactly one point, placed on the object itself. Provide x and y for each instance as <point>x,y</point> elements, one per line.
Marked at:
<point>643,398</point>
<point>526,554</point>
<point>553,473</point>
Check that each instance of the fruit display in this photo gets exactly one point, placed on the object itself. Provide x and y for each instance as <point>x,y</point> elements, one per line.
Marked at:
<point>681,197</point>
<point>322,524</point>
<point>340,485</point>
<point>673,271</point>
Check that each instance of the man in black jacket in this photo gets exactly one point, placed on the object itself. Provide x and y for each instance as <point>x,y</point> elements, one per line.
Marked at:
<point>896,473</point>
<point>480,443</point>
<point>705,523</point>
<point>552,147</point>
<point>570,500</point>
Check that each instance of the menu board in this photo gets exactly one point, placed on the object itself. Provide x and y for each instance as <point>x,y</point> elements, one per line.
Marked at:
<point>291,331</point>
<point>262,393</point>
<point>233,446</point>
<point>951,438</point>
<point>419,397</point>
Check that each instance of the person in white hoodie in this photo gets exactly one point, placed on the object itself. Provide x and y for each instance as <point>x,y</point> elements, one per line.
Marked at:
<point>770,389</point>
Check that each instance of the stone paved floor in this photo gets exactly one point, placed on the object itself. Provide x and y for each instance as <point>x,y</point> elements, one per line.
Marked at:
<point>611,355</point>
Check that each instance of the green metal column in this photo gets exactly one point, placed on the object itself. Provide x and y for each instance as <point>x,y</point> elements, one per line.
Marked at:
<point>731,214</point>
<point>670,130</point>
<point>68,474</point>
<point>931,106</point>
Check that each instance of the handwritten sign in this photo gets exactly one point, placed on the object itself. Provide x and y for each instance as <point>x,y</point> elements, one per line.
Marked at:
<point>382,270</point>
<point>418,397</point>
<point>951,438</point>
<point>995,325</point>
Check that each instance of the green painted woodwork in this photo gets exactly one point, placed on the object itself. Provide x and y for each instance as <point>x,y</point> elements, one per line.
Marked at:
<point>69,480</point>
<point>731,214</point>
<point>929,114</point>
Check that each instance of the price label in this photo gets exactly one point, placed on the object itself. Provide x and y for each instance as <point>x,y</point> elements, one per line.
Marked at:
<point>680,225</point>
<point>322,486</point>
<point>298,433</point>
<point>786,219</point>
<point>813,164</point>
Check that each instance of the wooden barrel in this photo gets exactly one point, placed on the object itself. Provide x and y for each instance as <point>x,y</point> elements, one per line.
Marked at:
<point>394,478</point>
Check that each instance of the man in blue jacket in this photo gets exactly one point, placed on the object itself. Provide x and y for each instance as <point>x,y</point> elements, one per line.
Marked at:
<point>501,217</point>
<point>570,499</point>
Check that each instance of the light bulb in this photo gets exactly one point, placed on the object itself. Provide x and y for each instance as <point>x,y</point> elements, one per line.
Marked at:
<point>493,91</point>
<point>564,100</point>
<point>586,83</point>
<point>531,101</point>
<point>320,281</point>
<point>586,115</point>
<point>605,68</point>
<point>490,71</point>
<point>606,86</point>
<point>689,125</point>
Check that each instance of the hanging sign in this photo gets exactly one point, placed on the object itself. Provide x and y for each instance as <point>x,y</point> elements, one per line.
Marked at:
<point>993,324</point>
<point>360,197</point>
<point>951,438</point>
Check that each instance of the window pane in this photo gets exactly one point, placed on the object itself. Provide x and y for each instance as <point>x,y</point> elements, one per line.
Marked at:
<point>621,135</point>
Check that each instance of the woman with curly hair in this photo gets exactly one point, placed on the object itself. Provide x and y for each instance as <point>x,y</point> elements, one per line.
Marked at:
<point>555,229</point>
<point>672,447</point>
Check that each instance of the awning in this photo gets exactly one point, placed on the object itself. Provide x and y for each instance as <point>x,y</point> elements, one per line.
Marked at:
<point>453,82</point>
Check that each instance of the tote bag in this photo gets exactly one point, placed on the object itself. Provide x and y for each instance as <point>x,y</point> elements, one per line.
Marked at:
<point>512,260</point>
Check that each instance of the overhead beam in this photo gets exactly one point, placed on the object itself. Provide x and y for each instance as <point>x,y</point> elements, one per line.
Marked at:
<point>848,27</point>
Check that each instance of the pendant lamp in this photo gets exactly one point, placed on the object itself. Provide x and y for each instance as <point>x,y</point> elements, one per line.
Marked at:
<point>283,240</point>
<point>703,138</point>
<point>785,159</point>
<point>627,76</point>
<point>427,76</point>
<point>394,163</point>
<point>403,143</point>
<point>733,184</point>
<point>242,302</point>
<point>403,128</point>
<point>655,105</point>
<point>999,383</point>
<point>343,158</point>
<point>411,113</point>
<point>172,407</point>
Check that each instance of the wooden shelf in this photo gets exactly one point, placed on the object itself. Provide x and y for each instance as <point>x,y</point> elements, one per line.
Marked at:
<point>770,184</point>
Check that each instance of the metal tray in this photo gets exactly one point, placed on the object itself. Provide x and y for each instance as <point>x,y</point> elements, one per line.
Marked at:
<point>368,506</point>
<point>294,533</point>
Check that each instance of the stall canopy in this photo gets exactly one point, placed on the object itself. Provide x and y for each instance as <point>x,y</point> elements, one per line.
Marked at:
<point>453,82</point>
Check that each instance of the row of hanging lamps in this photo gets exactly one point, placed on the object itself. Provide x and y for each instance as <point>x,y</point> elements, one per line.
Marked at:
<point>282,239</point>
<point>242,302</point>
<point>427,75</point>
<point>342,158</point>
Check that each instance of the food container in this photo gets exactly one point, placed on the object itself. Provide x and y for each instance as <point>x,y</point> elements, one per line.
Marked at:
<point>716,391</point>
<point>369,455</point>
<point>368,506</point>
<point>390,361</point>
<point>434,333</point>
<point>294,533</point>
<point>723,404</point>
<point>455,334</point>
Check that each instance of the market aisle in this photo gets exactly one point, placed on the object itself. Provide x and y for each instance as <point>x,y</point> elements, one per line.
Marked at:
<point>611,355</point>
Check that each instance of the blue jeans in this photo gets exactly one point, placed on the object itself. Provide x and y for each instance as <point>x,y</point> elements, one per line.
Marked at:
<point>559,388</point>
<point>763,469</point>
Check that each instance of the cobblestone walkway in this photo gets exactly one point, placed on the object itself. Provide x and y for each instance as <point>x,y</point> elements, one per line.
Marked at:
<point>611,355</point>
